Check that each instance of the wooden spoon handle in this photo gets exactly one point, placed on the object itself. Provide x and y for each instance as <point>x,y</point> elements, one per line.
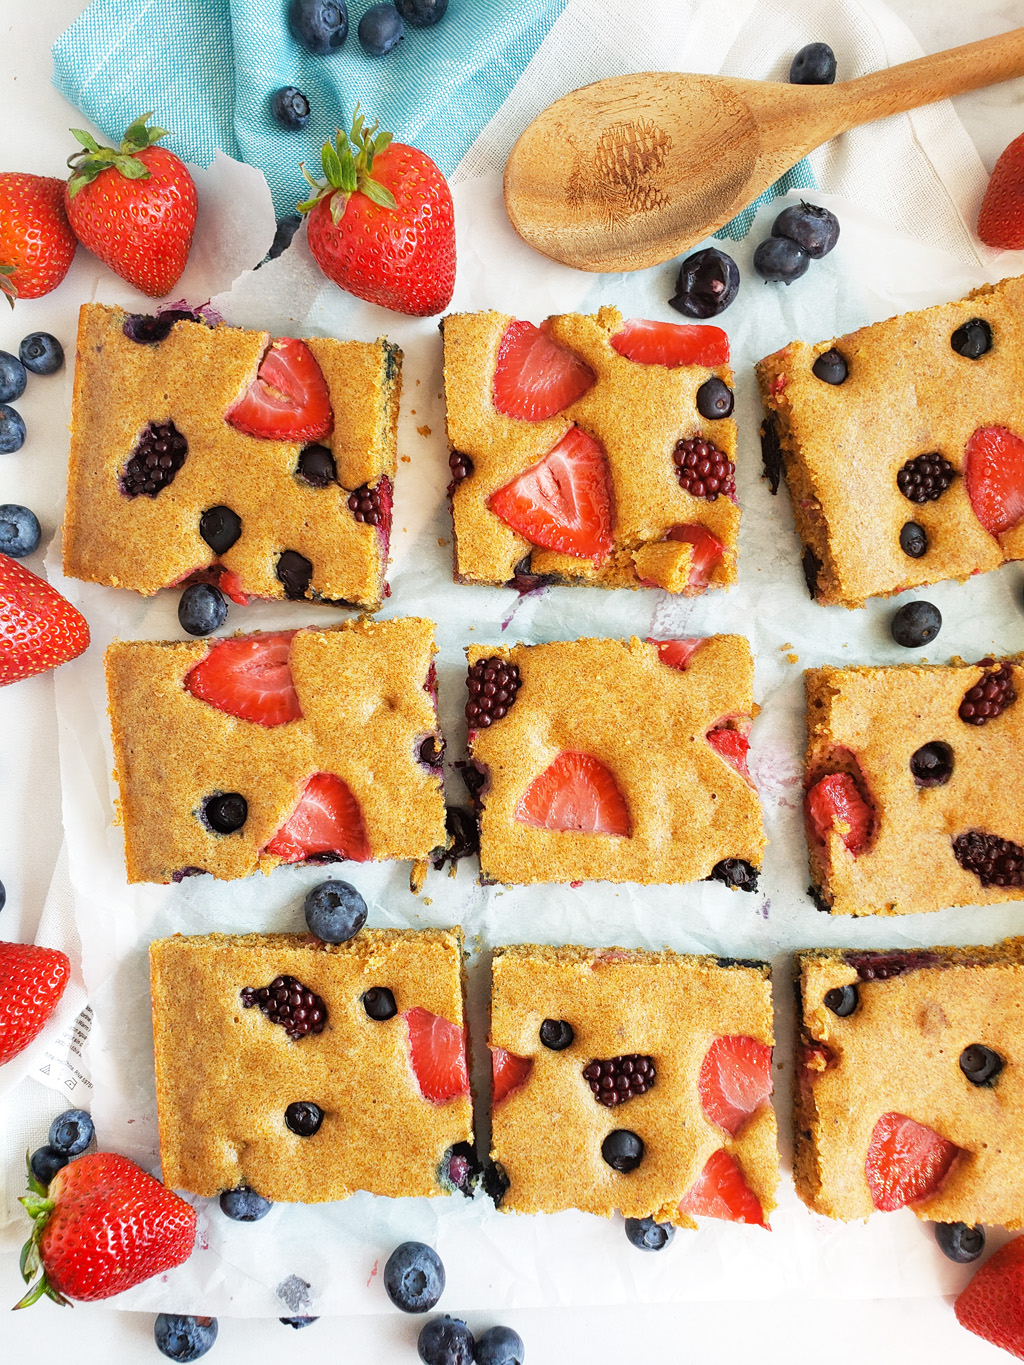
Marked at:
<point>928,79</point>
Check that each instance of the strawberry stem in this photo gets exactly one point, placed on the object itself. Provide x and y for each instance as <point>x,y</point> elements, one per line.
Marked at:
<point>346,164</point>
<point>93,159</point>
<point>38,1206</point>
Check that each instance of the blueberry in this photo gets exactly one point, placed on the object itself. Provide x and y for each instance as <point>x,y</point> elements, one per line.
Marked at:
<point>12,430</point>
<point>335,911</point>
<point>19,531</point>
<point>294,572</point>
<point>445,1341</point>
<point>304,1117</point>
<point>623,1150</point>
<point>714,399</point>
<point>422,13</point>
<point>71,1132</point>
<point>842,1000</point>
<point>780,260</point>
<point>147,329</point>
<point>3,895</point>
<point>647,1235</point>
<point>380,30</point>
<point>557,1034</point>
<point>980,1064</point>
<point>972,340</point>
<point>932,764</point>
<point>499,1346</point>
<point>831,367</point>
<point>46,1162</point>
<point>379,1003</point>
<point>915,624</point>
<point>913,540</point>
<point>414,1277</point>
<point>810,226</point>
<point>225,812</point>
<point>316,466</point>
<point>321,26</point>
<point>960,1242</point>
<point>290,108</point>
<point>183,1338</point>
<point>220,527</point>
<point>736,873</point>
<point>41,353</point>
<point>201,609</point>
<point>297,1322</point>
<point>706,284</point>
<point>286,229</point>
<point>814,64</point>
<point>12,377</point>
<point>243,1205</point>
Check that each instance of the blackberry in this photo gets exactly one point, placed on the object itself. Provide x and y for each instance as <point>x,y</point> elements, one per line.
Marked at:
<point>703,470</point>
<point>620,1078</point>
<point>994,861</point>
<point>461,467</point>
<point>493,684</point>
<point>736,873</point>
<point>989,697</point>
<point>366,505</point>
<point>973,339</point>
<point>158,455</point>
<point>883,966</point>
<point>289,1003</point>
<point>980,1064</point>
<point>925,478</point>
<point>316,466</point>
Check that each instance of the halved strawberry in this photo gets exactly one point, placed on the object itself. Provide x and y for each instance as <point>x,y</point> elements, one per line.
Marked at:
<point>220,577</point>
<point>835,803</point>
<point>249,678</point>
<point>992,1305</point>
<point>721,1192</point>
<point>676,653</point>
<point>671,343</point>
<point>906,1162</point>
<point>288,400</point>
<point>534,377</point>
<point>707,552</point>
<point>576,793</point>
<point>327,819</point>
<point>735,1080</point>
<point>508,1073</point>
<point>564,502</point>
<point>437,1051</point>
<point>732,746</point>
<point>994,473</point>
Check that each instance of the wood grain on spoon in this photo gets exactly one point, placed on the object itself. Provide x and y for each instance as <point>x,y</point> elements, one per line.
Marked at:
<point>633,170</point>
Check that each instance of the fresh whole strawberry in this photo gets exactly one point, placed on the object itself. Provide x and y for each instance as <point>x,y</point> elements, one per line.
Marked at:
<point>134,208</point>
<point>992,1305</point>
<point>387,237</point>
<point>1001,220</point>
<point>36,242</point>
<point>102,1226</point>
<point>39,629</point>
<point>32,981</point>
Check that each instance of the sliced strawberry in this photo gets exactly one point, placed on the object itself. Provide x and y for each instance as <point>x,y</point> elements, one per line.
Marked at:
<point>577,793</point>
<point>735,1080</point>
<point>564,502</point>
<point>671,343</point>
<point>835,803</point>
<point>249,678</point>
<point>994,471</point>
<point>534,377</point>
<point>732,746</point>
<point>288,400</point>
<point>327,819</point>
<point>992,1305</point>
<point>707,552</point>
<point>508,1073</point>
<point>437,1051</point>
<point>906,1162</point>
<point>721,1192</point>
<point>220,577</point>
<point>676,653</point>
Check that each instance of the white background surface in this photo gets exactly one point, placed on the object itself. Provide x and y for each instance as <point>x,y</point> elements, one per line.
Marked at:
<point>35,120</point>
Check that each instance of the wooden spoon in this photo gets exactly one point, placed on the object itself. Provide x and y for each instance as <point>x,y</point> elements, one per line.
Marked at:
<point>631,171</point>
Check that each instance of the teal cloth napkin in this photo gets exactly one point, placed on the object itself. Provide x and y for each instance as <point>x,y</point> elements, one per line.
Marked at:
<point>207,69</point>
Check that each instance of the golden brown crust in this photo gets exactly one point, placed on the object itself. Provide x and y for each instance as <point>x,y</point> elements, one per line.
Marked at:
<point>907,393</point>
<point>547,1135</point>
<point>226,1074</point>
<point>365,712</point>
<point>637,412</point>
<point>192,378</point>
